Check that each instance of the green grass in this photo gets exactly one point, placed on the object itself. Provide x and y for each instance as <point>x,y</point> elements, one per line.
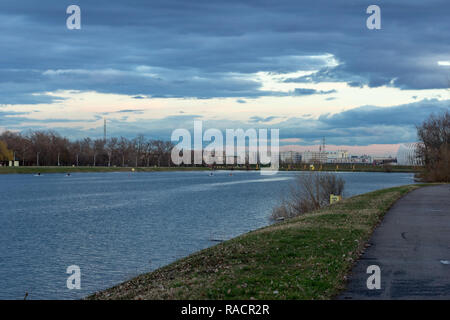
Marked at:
<point>307,257</point>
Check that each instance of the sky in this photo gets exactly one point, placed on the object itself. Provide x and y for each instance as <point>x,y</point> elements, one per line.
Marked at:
<point>311,69</point>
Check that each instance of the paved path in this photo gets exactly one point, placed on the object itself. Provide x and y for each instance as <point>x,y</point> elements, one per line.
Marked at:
<point>412,248</point>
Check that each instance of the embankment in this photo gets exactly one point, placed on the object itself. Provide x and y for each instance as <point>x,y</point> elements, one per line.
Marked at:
<point>307,257</point>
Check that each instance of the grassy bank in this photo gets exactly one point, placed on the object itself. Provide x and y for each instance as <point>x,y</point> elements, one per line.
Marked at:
<point>307,257</point>
<point>63,169</point>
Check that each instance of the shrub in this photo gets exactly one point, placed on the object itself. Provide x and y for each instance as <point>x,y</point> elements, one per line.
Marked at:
<point>310,192</point>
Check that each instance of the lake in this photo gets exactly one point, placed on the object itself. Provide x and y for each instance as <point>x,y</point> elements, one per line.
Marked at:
<point>115,226</point>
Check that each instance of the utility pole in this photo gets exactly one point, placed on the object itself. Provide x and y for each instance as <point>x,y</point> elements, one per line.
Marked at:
<point>104,129</point>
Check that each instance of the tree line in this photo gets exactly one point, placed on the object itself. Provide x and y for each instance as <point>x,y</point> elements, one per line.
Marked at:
<point>48,148</point>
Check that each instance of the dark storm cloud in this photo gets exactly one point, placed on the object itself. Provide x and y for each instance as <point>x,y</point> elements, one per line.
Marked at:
<point>308,92</point>
<point>365,125</point>
<point>135,111</point>
<point>403,115</point>
<point>15,121</point>
<point>304,92</point>
<point>197,47</point>
<point>256,119</point>
<point>328,74</point>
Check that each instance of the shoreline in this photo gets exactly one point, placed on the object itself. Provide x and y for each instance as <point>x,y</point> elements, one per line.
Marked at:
<point>267,263</point>
<point>70,169</point>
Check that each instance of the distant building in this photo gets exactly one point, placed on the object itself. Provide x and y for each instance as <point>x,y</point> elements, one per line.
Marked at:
<point>314,157</point>
<point>339,156</point>
<point>407,155</point>
<point>383,160</point>
<point>13,163</point>
<point>9,163</point>
<point>290,157</point>
<point>365,159</point>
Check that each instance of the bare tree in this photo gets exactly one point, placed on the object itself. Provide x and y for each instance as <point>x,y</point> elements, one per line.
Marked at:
<point>434,135</point>
<point>111,148</point>
<point>48,148</point>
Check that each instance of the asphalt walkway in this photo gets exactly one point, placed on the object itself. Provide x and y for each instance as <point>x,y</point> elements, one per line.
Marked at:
<point>412,249</point>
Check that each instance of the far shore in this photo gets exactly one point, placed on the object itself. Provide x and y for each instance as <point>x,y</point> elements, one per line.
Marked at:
<point>301,167</point>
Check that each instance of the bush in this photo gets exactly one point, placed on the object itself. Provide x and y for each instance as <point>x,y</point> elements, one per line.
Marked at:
<point>310,192</point>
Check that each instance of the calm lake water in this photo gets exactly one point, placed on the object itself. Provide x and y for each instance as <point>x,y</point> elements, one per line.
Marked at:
<point>117,225</point>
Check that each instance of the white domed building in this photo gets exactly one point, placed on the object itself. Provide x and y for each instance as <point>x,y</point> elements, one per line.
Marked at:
<point>407,155</point>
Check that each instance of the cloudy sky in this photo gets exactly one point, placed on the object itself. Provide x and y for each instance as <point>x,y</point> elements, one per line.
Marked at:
<point>310,68</point>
